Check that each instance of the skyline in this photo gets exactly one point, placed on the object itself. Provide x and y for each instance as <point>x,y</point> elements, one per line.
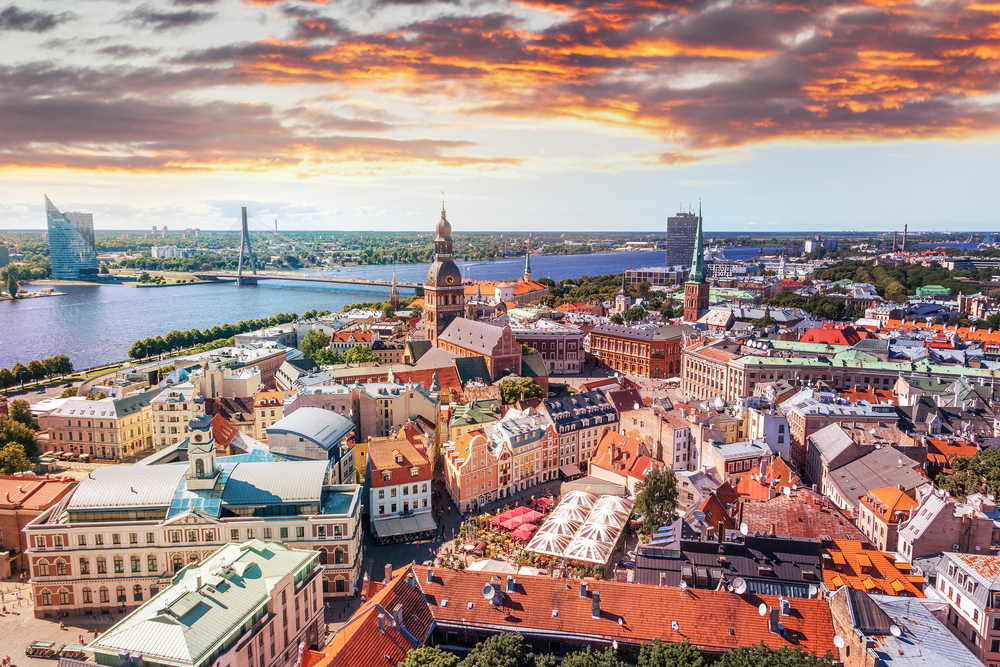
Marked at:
<point>539,114</point>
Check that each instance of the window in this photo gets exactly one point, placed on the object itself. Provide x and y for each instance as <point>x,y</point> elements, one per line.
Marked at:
<point>133,538</point>
<point>338,557</point>
<point>87,596</point>
<point>178,562</point>
<point>209,535</point>
<point>61,567</point>
<point>104,597</point>
<point>300,532</point>
<point>192,536</point>
<point>137,593</point>
<point>995,646</point>
<point>338,530</point>
<point>150,538</point>
<point>43,568</point>
<point>81,540</point>
<point>102,565</point>
<point>63,596</point>
<point>267,533</point>
<point>46,597</point>
<point>283,533</point>
<point>40,541</point>
<point>116,538</point>
<point>99,539</point>
<point>136,564</point>
<point>84,566</point>
<point>151,563</point>
<point>175,536</point>
<point>119,565</point>
<point>120,594</point>
<point>251,534</point>
<point>234,534</point>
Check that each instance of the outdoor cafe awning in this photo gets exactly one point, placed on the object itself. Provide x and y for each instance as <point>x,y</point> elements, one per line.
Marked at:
<point>407,525</point>
<point>570,471</point>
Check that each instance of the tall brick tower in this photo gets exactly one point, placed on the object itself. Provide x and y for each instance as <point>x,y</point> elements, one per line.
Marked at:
<point>444,295</point>
<point>696,287</point>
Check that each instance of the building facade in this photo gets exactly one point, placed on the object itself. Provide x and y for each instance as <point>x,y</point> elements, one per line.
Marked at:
<point>71,244</point>
<point>472,465</point>
<point>110,428</point>
<point>971,583</point>
<point>126,531</point>
<point>399,487</point>
<point>560,346</point>
<point>173,408</point>
<point>578,421</point>
<point>647,350</point>
<point>681,231</point>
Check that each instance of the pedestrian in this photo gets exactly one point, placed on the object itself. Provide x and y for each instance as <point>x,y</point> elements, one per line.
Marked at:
<point>81,640</point>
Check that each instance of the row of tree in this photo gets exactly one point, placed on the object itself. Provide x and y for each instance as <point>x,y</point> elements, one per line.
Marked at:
<point>35,370</point>
<point>512,650</point>
<point>180,340</point>
<point>17,437</point>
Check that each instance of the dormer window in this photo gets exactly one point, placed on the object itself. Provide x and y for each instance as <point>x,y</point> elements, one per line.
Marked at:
<point>414,472</point>
<point>386,475</point>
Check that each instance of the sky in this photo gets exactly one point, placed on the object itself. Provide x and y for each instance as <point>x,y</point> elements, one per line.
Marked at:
<point>530,115</point>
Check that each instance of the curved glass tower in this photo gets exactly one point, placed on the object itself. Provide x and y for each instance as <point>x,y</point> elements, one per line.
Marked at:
<point>71,244</point>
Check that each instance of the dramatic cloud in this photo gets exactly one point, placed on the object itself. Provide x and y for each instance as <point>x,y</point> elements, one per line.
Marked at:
<point>157,20</point>
<point>694,76</point>
<point>12,18</point>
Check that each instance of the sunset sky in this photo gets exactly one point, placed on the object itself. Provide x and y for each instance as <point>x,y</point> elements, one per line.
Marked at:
<point>558,115</point>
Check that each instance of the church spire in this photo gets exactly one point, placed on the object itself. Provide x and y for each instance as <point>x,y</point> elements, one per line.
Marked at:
<point>527,265</point>
<point>697,274</point>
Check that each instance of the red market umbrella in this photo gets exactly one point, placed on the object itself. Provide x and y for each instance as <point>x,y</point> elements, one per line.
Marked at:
<point>511,524</point>
<point>544,503</point>
<point>532,516</point>
<point>520,511</point>
<point>524,531</point>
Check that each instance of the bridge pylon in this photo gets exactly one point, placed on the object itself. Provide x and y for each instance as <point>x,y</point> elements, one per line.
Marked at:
<point>245,244</point>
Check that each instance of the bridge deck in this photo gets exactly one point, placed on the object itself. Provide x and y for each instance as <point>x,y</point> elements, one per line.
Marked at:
<point>275,275</point>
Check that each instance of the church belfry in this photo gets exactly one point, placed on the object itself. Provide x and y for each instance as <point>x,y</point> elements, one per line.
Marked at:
<point>203,471</point>
<point>444,294</point>
<point>696,287</point>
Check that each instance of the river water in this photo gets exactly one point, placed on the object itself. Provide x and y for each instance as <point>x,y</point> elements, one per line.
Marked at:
<point>94,324</point>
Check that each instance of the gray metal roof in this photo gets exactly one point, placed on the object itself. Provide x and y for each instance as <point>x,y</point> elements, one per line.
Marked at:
<point>114,487</point>
<point>924,640</point>
<point>275,482</point>
<point>877,470</point>
<point>324,427</point>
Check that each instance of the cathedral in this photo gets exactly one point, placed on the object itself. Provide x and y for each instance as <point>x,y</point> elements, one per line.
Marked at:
<point>444,294</point>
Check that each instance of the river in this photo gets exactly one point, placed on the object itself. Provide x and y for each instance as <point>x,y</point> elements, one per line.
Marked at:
<point>96,324</point>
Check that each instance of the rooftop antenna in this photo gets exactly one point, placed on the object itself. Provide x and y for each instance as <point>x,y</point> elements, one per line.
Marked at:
<point>442,200</point>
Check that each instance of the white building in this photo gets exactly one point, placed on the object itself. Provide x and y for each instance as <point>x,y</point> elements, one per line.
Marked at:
<point>173,408</point>
<point>126,531</point>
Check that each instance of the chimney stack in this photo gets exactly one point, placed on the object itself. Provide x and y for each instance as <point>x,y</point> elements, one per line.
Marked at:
<point>397,615</point>
<point>388,573</point>
<point>904,238</point>
<point>894,241</point>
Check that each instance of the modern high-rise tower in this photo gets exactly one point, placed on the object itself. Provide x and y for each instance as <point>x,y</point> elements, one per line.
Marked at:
<point>444,295</point>
<point>681,230</point>
<point>71,244</point>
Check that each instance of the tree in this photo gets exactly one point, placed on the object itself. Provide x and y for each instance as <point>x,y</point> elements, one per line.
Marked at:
<point>416,311</point>
<point>58,365</point>
<point>326,357</point>
<point>656,498</point>
<point>979,473</point>
<point>429,656</point>
<point>765,321</point>
<point>6,378</point>
<point>587,658</point>
<point>617,319</point>
<point>12,459</point>
<point>314,341</point>
<point>100,396</point>
<point>12,286</point>
<point>359,354</point>
<point>512,391</point>
<point>104,270</point>
<point>20,411</point>
<point>634,314</point>
<point>673,654</point>
<point>20,373</point>
<point>17,433</point>
<point>763,656</point>
<point>527,351</point>
<point>36,369</point>
<point>68,392</point>
<point>503,650</point>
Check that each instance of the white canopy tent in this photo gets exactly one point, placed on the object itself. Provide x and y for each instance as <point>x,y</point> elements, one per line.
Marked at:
<point>584,529</point>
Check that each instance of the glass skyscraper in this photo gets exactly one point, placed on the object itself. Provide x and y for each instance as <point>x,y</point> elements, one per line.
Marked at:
<point>71,244</point>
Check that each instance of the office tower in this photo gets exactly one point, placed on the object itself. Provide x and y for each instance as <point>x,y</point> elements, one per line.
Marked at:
<point>71,244</point>
<point>681,230</point>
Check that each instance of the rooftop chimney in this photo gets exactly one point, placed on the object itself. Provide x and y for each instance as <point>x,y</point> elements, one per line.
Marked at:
<point>388,573</point>
<point>663,578</point>
<point>595,606</point>
<point>430,575</point>
<point>397,615</point>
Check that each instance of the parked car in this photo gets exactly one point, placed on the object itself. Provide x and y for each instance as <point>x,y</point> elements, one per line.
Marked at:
<point>626,563</point>
<point>73,652</point>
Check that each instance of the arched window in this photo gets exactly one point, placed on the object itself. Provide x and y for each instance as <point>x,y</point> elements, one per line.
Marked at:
<point>178,562</point>
<point>199,467</point>
<point>46,597</point>
<point>193,558</point>
<point>104,594</point>
<point>338,556</point>
<point>341,585</point>
<point>87,596</point>
<point>120,594</point>
<point>63,596</point>
<point>322,557</point>
<point>151,563</point>
<point>84,566</point>
<point>102,565</point>
<point>137,593</point>
<point>43,568</point>
<point>153,590</point>
<point>136,564</point>
<point>61,567</point>
<point>119,565</point>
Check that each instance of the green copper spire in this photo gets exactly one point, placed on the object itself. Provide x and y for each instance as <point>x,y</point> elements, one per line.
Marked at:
<point>697,274</point>
<point>527,264</point>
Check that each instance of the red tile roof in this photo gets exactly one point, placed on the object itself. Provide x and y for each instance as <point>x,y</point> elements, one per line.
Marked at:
<point>447,377</point>
<point>802,514</point>
<point>397,456</point>
<point>623,455</point>
<point>862,567</point>
<point>33,493</point>
<point>222,431</point>
<point>712,621</point>
<point>833,335</point>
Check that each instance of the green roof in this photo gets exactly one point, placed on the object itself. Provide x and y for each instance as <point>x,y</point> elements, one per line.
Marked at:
<point>203,612</point>
<point>476,413</point>
<point>697,274</point>
<point>862,365</point>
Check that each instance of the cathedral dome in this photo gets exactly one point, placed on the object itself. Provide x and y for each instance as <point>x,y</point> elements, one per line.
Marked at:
<point>444,274</point>
<point>443,227</point>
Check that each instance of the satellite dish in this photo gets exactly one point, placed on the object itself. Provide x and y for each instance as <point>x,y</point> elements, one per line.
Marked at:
<point>795,487</point>
<point>729,588</point>
<point>785,490</point>
<point>739,586</point>
<point>488,592</point>
<point>621,620</point>
<point>838,641</point>
<point>635,406</point>
<point>813,590</point>
<point>762,609</point>
<point>614,644</point>
<point>684,585</point>
<point>895,631</point>
<point>674,626</point>
<point>744,528</point>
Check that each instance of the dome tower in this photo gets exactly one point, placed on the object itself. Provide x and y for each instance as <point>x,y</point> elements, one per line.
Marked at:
<point>444,294</point>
